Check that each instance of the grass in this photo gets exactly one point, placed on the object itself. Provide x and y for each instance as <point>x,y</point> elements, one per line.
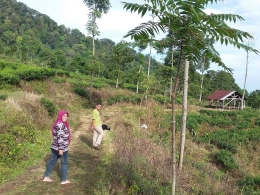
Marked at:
<point>131,160</point>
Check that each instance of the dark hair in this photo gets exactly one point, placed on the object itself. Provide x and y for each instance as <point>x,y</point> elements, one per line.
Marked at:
<point>98,103</point>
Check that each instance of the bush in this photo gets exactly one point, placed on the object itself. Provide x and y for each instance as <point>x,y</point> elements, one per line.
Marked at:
<point>13,73</point>
<point>161,99</point>
<point>80,91</point>
<point>129,86</point>
<point>49,106</point>
<point>257,122</point>
<point>226,159</point>
<point>9,78</point>
<point>250,185</point>
<point>3,96</point>
<point>22,134</point>
<point>100,85</point>
<point>123,98</point>
<point>9,151</point>
<point>192,123</point>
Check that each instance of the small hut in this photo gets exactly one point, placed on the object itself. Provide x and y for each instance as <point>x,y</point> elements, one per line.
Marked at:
<point>227,99</point>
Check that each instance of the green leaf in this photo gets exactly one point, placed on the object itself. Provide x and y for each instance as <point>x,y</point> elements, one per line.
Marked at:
<point>143,11</point>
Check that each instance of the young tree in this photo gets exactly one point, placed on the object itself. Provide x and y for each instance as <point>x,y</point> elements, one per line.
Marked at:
<point>121,55</point>
<point>184,112</point>
<point>191,26</point>
<point>205,63</point>
<point>139,75</point>
<point>249,43</point>
<point>96,8</point>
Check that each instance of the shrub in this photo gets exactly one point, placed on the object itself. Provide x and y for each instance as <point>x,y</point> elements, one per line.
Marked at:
<point>129,86</point>
<point>9,151</point>
<point>8,78</point>
<point>100,85</point>
<point>3,96</point>
<point>192,123</point>
<point>250,185</point>
<point>227,146</point>
<point>257,122</point>
<point>49,106</point>
<point>226,159</point>
<point>12,73</point>
<point>80,91</point>
<point>22,134</point>
<point>161,99</point>
<point>123,98</point>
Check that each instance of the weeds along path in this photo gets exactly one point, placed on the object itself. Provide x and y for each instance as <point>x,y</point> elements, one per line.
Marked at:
<point>83,168</point>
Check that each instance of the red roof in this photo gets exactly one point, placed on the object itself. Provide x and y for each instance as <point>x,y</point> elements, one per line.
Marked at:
<point>219,94</point>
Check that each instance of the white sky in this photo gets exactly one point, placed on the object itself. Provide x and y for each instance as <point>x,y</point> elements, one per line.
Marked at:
<point>114,25</point>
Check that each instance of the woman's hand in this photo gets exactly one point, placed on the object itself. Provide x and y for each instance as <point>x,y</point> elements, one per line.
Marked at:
<point>61,152</point>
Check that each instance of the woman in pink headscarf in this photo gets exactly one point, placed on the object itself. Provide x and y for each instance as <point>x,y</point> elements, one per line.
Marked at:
<point>59,147</point>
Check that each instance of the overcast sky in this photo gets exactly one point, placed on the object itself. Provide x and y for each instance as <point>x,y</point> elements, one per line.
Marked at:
<point>114,25</point>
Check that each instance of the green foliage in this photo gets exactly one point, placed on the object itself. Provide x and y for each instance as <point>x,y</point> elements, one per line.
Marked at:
<point>226,159</point>
<point>124,98</point>
<point>13,73</point>
<point>128,86</point>
<point>254,99</point>
<point>7,78</point>
<point>135,180</point>
<point>250,185</point>
<point>80,91</point>
<point>13,144</point>
<point>100,85</point>
<point>162,99</point>
<point>49,106</point>
<point>192,123</point>
<point>22,134</point>
<point>257,122</point>
<point>3,96</point>
<point>9,150</point>
<point>224,119</point>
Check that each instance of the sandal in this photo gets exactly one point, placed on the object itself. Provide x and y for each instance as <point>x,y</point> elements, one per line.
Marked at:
<point>96,146</point>
<point>65,182</point>
<point>47,179</point>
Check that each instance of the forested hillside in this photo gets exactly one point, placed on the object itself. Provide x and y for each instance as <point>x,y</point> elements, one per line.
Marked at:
<point>32,37</point>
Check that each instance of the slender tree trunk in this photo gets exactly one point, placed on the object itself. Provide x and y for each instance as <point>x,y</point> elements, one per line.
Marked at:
<point>202,78</point>
<point>93,54</point>
<point>149,62</point>
<point>184,113</point>
<point>171,77</point>
<point>93,44</point>
<point>149,66</point>
<point>137,86</point>
<point>98,70</point>
<point>148,72</point>
<point>91,85</point>
<point>117,81</point>
<point>174,122</point>
<point>244,91</point>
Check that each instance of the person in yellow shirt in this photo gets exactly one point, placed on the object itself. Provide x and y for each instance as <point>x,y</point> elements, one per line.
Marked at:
<point>96,126</point>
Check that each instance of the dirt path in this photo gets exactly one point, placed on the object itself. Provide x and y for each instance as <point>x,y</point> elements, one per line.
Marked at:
<point>83,169</point>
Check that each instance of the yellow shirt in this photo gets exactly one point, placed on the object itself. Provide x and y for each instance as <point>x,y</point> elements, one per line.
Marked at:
<point>97,118</point>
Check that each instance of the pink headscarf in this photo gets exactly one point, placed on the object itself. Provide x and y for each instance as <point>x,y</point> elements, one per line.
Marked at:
<point>59,119</point>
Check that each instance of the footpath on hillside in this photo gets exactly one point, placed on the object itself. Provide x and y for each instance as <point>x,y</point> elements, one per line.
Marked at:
<point>83,169</point>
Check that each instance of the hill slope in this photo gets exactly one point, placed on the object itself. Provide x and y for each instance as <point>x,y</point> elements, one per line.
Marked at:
<point>84,165</point>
